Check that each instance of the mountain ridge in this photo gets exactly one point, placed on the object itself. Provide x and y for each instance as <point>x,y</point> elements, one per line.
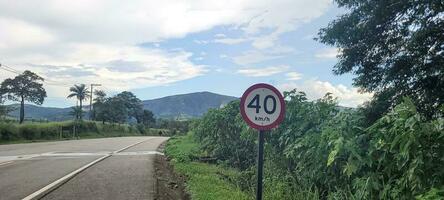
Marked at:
<point>188,105</point>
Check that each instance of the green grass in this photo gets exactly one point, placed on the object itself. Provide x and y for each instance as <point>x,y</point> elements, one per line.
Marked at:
<point>12,132</point>
<point>182,149</point>
<point>204,181</point>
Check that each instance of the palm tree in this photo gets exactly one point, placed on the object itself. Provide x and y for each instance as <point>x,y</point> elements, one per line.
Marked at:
<point>81,92</point>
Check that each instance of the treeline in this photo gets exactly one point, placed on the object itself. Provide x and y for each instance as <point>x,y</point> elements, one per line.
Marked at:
<point>125,107</point>
<point>323,152</point>
<point>118,115</point>
<point>121,108</point>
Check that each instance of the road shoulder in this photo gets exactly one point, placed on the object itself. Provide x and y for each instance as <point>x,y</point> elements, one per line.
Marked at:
<point>170,185</point>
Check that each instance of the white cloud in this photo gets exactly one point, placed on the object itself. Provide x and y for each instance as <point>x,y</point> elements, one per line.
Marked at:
<point>19,34</point>
<point>119,22</point>
<point>96,39</point>
<point>315,89</point>
<point>263,71</point>
<point>309,37</point>
<point>257,56</point>
<point>253,56</point>
<point>201,41</point>
<point>220,35</point>
<point>293,76</point>
<point>119,68</point>
<point>230,41</point>
<point>219,70</point>
<point>328,53</point>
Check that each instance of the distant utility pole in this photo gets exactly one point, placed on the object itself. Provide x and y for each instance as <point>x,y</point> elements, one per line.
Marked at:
<point>91,99</point>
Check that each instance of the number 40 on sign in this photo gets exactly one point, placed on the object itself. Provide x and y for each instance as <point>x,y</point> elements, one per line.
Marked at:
<point>262,106</point>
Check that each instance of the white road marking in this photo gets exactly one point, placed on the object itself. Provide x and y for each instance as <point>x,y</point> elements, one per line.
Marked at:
<point>19,157</point>
<point>73,154</point>
<point>45,190</point>
<point>7,159</point>
<point>5,163</point>
<point>52,186</point>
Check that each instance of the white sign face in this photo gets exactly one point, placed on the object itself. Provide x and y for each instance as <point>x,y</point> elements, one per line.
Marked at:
<point>262,107</point>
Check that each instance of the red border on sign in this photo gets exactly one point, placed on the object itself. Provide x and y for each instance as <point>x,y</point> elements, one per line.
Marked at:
<point>281,114</point>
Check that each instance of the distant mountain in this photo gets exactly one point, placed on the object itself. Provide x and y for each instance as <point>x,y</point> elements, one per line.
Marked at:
<point>44,113</point>
<point>176,106</point>
<point>186,105</point>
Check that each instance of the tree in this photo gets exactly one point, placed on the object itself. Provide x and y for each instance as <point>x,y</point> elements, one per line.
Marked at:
<point>115,110</point>
<point>100,96</point>
<point>133,104</point>
<point>120,108</point>
<point>98,105</point>
<point>147,118</point>
<point>24,87</point>
<point>396,49</point>
<point>81,93</point>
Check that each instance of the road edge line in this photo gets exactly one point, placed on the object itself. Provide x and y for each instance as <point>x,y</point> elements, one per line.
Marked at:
<point>48,188</point>
<point>54,185</point>
<point>127,147</point>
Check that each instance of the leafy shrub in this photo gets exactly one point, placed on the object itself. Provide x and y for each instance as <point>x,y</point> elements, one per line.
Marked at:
<point>30,132</point>
<point>224,136</point>
<point>8,132</point>
<point>323,152</point>
<point>406,153</point>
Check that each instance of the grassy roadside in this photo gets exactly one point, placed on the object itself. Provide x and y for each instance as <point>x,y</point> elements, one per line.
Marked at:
<point>90,136</point>
<point>204,181</point>
<point>29,132</point>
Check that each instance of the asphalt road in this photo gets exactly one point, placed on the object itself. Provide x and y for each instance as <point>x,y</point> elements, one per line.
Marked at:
<point>125,173</point>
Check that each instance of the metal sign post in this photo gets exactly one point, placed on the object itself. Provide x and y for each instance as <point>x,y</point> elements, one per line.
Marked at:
<point>263,108</point>
<point>260,165</point>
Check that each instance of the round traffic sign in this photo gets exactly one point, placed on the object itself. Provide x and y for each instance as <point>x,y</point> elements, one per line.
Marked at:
<point>262,106</point>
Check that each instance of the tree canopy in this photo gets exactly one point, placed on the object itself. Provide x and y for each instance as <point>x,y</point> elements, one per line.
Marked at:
<point>396,49</point>
<point>24,87</point>
<point>121,108</point>
<point>147,118</point>
<point>133,105</point>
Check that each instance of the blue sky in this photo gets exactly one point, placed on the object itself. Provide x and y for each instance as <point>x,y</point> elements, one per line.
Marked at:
<point>157,49</point>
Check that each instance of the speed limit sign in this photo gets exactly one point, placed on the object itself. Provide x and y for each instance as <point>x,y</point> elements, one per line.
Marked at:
<point>262,106</point>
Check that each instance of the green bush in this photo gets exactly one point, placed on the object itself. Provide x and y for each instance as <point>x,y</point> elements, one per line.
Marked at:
<point>223,135</point>
<point>8,132</point>
<point>321,151</point>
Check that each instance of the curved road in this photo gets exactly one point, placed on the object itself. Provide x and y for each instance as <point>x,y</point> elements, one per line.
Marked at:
<point>125,171</point>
